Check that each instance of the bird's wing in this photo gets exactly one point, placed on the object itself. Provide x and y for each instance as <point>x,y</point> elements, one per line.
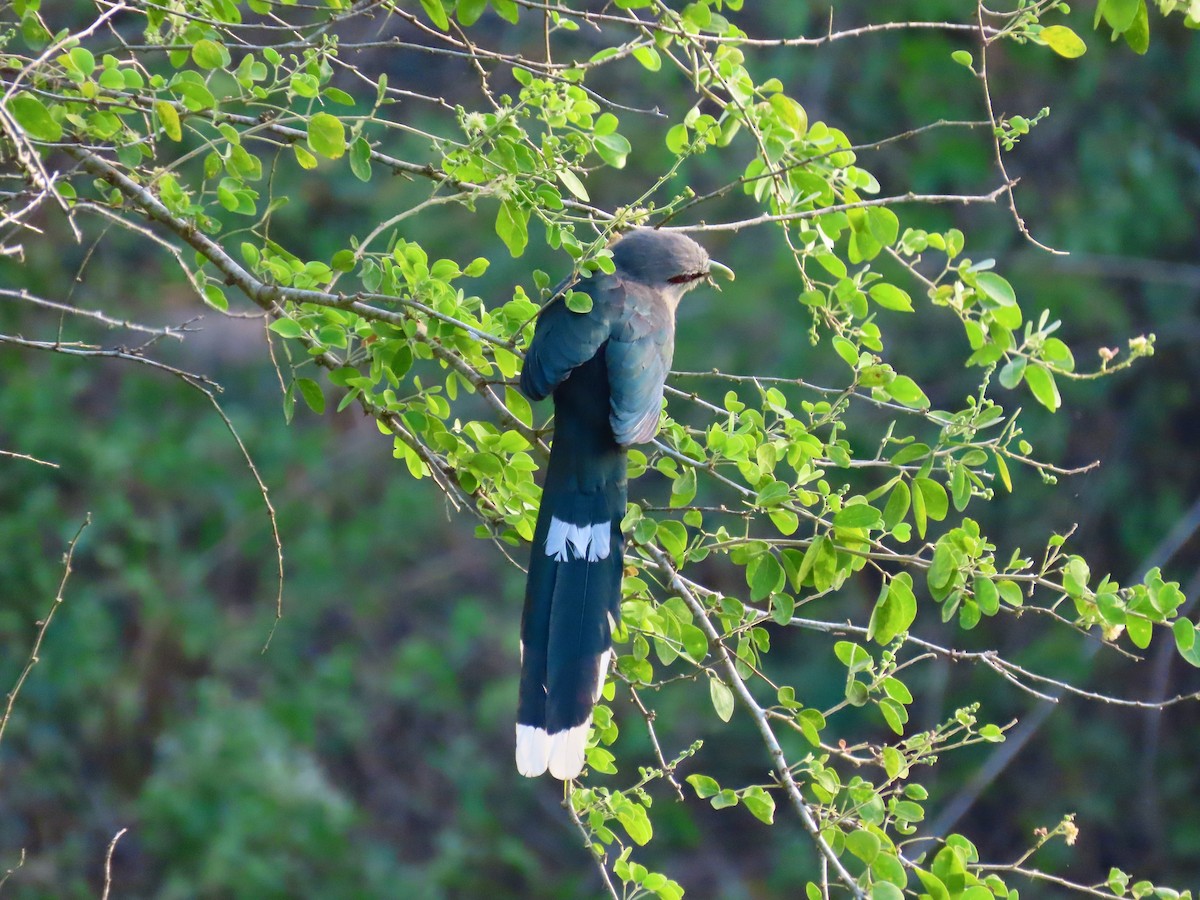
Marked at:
<point>564,340</point>
<point>639,357</point>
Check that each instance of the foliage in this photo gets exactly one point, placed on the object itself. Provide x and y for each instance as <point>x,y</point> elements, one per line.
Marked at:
<point>770,505</point>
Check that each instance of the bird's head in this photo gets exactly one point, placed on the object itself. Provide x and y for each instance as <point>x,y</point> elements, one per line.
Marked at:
<point>665,259</point>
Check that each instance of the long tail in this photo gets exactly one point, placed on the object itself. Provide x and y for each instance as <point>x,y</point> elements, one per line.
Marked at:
<point>572,600</point>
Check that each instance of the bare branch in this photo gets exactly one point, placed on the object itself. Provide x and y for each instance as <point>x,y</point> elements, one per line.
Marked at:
<point>587,846</point>
<point>24,296</point>
<point>43,626</point>
<point>910,197</point>
<point>112,846</point>
<point>32,459</point>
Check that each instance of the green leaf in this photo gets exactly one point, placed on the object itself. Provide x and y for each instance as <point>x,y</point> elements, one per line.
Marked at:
<point>436,13</point>
<point>963,58</point>
<point>704,786</point>
<point>920,517</point>
<point>336,95</point>
<point>773,493</point>
<point>888,868</point>
<point>785,520</point>
<point>791,114</point>
<point>215,297</point>
<point>811,722</point>
<point>857,515</point>
<point>288,328</point>
<point>360,159</point>
<point>209,54</point>
<point>113,79</point>
<point>1120,14</point>
<point>760,803</point>
<point>936,503</point>
<point>897,506</point>
<point>907,392</point>
<point>1002,471</point>
<point>1137,35</point>
<point>1118,881</point>
<point>894,611</point>
<point>250,254</point>
<point>613,149</point>
<point>573,184</point>
<point>306,159</point>
<point>506,9</point>
<point>82,60</point>
<point>722,698</point>
<point>891,297</point>
<point>648,57</point>
<point>695,641</point>
<point>883,224</point>
<point>635,821</point>
<point>1185,641</point>
<point>677,138</point>
<point>311,391</point>
<point>1013,372</point>
<point>326,135</point>
<point>193,92</point>
<point>304,85</point>
<point>512,227</point>
<point>34,118</point>
<point>578,302</point>
<point>168,117</point>
<point>863,844</point>
<point>1010,592</point>
<point>987,595</point>
<point>764,575</point>
<point>1041,382</point>
<point>1140,631</point>
<point>996,288</point>
<point>469,11</point>
<point>672,536</point>
<point>1063,41</point>
<point>846,350</point>
<point>724,799</point>
<point>852,656</point>
<point>1057,354</point>
<point>932,884</point>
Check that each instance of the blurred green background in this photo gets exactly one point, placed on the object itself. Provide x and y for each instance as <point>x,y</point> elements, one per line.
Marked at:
<point>367,752</point>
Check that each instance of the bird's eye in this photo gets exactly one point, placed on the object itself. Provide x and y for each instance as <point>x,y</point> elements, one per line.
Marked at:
<point>685,278</point>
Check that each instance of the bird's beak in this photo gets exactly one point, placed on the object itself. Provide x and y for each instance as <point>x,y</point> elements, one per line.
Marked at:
<point>716,268</point>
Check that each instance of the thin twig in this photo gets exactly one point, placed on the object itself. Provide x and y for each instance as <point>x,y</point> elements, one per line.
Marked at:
<point>264,493</point>
<point>112,846</point>
<point>782,769</point>
<point>8,872</point>
<point>43,626</point>
<point>910,197</point>
<point>648,715</point>
<point>24,296</point>
<point>27,458</point>
<point>1009,183</point>
<point>587,845</point>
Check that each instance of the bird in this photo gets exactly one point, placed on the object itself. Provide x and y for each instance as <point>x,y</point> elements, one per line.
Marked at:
<point>606,369</point>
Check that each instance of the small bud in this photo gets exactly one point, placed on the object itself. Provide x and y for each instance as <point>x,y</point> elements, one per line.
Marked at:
<point>1143,345</point>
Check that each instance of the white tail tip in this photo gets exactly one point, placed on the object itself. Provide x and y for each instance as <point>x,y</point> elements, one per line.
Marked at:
<point>562,752</point>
